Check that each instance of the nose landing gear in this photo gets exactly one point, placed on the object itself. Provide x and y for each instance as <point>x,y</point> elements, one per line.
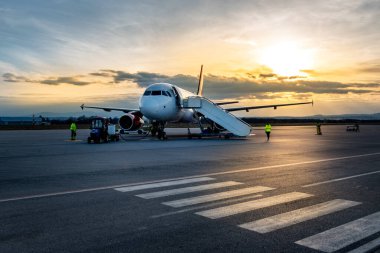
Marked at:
<point>162,135</point>
<point>158,129</point>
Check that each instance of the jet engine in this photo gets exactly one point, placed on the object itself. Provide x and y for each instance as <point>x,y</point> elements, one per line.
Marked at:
<point>130,122</point>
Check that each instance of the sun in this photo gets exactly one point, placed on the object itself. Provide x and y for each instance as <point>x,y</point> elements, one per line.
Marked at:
<point>287,58</point>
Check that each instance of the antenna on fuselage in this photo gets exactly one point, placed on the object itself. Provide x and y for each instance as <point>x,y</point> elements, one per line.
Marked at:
<point>200,83</point>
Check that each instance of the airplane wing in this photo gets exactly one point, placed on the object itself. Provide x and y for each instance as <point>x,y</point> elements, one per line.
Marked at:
<point>108,109</point>
<point>226,103</point>
<point>247,108</point>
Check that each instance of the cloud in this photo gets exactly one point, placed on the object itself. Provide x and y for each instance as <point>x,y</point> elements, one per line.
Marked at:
<point>12,78</point>
<point>216,87</point>
<point>371,69</point>
<point>64,80</point>
<point>270,75</point>
<point>74,80</point>
<point>311,72</point>
<point>142,78</point>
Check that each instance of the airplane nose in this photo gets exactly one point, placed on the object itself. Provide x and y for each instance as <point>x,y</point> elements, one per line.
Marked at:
<point>149,106</point>
<point>154,107</point>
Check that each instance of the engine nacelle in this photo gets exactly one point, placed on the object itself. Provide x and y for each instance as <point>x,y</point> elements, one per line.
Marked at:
<point>130,122</point>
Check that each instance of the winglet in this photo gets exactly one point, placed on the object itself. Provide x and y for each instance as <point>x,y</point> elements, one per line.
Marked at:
<point>200,83</point>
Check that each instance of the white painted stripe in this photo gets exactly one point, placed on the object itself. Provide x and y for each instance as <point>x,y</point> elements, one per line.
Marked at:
<point>203,187</point>
<point>297,216</point>
<point>252,205</point>
<point>342,178</point>
<point>367,247</point>
<point>344,235</point>
<point>163,184</point>
<point>68,192</point>
<point>198,207</point>
<point>216,196</point>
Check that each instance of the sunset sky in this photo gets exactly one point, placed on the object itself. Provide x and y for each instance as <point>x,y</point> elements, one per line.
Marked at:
<point>57,54</point>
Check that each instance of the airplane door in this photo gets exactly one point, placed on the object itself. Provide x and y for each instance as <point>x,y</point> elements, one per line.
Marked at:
<point>177,97</point>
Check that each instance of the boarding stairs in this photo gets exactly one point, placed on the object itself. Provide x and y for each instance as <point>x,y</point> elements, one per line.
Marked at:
<point>217,114</point>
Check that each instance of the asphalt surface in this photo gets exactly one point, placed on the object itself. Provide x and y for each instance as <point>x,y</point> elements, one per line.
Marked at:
<point>57,195</point>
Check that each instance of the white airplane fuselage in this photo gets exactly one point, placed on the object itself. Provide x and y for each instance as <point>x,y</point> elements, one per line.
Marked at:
<point>162,102</point>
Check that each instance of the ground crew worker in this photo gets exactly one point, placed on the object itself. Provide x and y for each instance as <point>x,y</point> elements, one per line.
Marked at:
<point>319,131</point>
<point>73,128</point>
<point>357,127</point>
<point>268,128</point>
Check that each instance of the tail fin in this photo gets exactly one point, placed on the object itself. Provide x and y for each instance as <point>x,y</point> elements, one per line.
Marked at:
<point>200,83</point>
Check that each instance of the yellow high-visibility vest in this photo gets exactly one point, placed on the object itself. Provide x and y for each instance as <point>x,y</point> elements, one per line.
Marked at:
<point>73,127</point>
<point>268,128</point>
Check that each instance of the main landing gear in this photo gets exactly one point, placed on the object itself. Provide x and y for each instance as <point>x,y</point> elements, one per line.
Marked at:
<point>158,129</point>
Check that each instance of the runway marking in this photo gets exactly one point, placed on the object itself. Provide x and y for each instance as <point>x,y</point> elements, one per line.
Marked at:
<point>219,203</point>
<point>341,179</point>
<point>367,247</point>
<point>152,195</point>
<point>252,205</point>
<point>53,194</point>
<point>216,196</point>
<point>344,235</point>
<point>163,184</point>
<point>286,165</point>
<point>297,216</point>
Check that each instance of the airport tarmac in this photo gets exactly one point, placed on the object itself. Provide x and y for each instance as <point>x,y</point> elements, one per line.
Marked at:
<point>299,192</point>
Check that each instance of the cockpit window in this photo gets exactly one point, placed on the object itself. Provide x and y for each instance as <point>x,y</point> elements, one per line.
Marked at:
<point>165,93</point>
<point>156,92</point>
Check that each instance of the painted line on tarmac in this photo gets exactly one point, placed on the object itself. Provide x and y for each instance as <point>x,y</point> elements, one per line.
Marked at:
<point>244,207</point>
<point>372,245</point>
<point>203,187</point>
<point>165,184</point>
<point>283,220</point>
<point>341,179</point>
<point>219,203</point>
<point>216,196</point>
<point>339,237</point>
<point>186,177</point>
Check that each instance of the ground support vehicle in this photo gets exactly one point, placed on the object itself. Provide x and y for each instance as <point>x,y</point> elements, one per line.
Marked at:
<point>102,131</point>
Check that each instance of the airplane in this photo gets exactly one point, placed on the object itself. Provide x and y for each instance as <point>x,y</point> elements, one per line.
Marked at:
<point>165,102</point>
